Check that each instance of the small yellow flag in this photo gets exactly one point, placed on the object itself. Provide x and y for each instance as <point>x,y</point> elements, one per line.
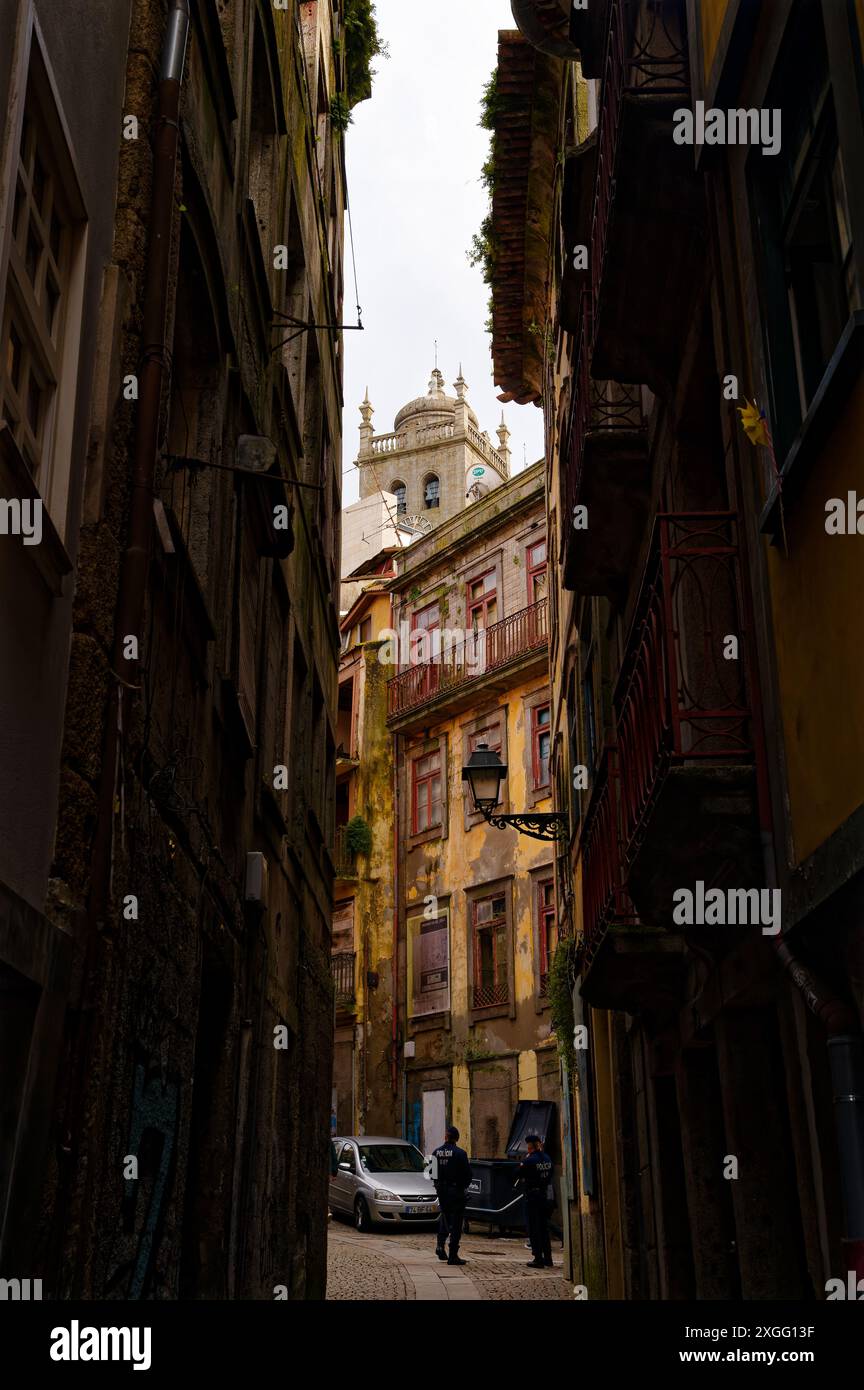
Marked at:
<point>755,426</point>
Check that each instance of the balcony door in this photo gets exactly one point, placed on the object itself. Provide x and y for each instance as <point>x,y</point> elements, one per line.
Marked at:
<point>425,650</point>
<point>482,614</point>
<point>538,588</point>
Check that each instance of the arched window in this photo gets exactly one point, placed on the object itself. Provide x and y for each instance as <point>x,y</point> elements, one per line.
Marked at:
<point>431,491</point>
<point>400,492</point>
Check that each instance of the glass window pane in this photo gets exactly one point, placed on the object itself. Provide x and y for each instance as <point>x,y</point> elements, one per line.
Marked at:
<point>13,357</point>
<point>32,253</point>
<point>56,235</point>
<point>52,299</point>
<point>34,404</point>
<point>38,182</point>
<point>18,213</point>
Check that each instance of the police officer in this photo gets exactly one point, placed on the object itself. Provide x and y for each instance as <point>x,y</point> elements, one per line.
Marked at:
<point>535,1174</point>
<point>451,1173</point>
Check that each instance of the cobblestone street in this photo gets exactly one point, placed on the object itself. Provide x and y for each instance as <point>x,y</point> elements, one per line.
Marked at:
<point>389,1268</point>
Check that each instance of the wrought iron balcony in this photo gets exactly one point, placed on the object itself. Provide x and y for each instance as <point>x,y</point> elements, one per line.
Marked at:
<point>605,901</point>
<point>682,715</point>
<point>606,469</point>
<point>343,857</point>
<point>622,962</point>
<point>342,968</point>
<point>486,652</point>
<point>648,207</point>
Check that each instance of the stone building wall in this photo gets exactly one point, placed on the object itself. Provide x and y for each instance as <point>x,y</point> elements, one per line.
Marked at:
<point>198,1032</point>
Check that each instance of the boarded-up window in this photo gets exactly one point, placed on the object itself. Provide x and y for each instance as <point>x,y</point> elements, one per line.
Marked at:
<point>343,926</point>
<point>494,1093</point>
<point>429,965</point>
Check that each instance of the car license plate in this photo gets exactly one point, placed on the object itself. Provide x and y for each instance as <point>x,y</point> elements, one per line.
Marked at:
<point>419,1211</point>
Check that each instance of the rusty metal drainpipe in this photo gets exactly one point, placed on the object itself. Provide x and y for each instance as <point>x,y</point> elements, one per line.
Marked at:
<point>136,557</point>
<point>846,1060</point>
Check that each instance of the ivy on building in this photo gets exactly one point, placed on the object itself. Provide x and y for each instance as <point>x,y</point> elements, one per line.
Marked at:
<point>483,249</point>
<point>363,44</point>
<point>358,836</point>
<point>559,992</point>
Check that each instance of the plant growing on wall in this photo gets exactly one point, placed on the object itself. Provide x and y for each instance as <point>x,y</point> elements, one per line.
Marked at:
<point>482,250</point>
<point>559,992</point>
<point>340,113</point>
<point>363,44</point>
<point>358,836</point>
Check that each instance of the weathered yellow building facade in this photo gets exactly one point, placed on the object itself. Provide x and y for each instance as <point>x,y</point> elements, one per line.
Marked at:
<point>477,903</point>
<point>441,1015</point>
<point>364,1099</point>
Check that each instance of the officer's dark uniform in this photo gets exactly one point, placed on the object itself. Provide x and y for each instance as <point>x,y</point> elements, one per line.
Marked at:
<point>535,1171</point>
<point>454,1175</point>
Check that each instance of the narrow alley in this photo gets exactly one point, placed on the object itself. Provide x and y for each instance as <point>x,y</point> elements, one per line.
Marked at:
<point>394,1269</point>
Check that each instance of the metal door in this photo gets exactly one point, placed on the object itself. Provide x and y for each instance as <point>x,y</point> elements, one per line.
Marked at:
<point>434,1119</point>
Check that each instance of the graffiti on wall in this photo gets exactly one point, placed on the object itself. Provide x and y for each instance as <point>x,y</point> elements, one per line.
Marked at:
<point>153,1126</point>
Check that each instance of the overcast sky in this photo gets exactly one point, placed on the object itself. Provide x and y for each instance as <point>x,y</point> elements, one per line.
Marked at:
<point>414,154</point>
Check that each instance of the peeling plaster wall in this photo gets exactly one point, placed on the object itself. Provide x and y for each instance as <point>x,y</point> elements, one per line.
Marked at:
<point>485,1060</point>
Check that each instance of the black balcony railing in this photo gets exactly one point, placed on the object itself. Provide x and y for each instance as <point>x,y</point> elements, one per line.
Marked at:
<point>342,967</point>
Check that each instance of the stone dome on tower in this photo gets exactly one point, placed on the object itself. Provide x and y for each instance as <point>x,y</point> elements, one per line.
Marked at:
<point>436,407</point>
<point>436,461</point>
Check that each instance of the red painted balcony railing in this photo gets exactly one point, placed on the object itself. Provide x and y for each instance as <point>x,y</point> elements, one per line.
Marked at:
<point>645,54</point>
<point>487,650</point>
<point>678,698</point>
<point>605,901</point>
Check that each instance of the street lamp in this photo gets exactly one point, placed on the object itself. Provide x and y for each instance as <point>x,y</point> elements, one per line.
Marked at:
<point>484,772</point>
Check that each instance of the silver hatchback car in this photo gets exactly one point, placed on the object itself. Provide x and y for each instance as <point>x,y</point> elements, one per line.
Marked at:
<point>376,1179</point>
